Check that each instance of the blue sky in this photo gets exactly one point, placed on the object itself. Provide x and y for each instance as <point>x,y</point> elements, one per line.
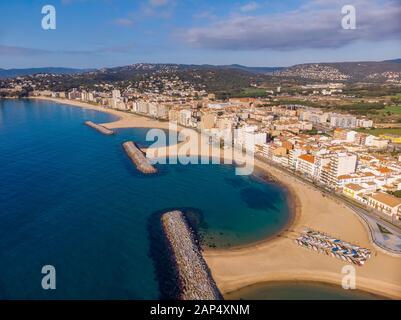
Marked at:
<point>105,33</point>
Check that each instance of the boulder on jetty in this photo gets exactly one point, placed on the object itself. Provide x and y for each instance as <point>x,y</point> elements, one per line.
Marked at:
<point>139,158</point>
<point>196,282</point>
<point>99,128</point>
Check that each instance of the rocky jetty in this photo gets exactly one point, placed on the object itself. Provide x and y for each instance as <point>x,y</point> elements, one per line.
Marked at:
<point>138,158</point>
<point>99,128</point>
<point>196,282</point>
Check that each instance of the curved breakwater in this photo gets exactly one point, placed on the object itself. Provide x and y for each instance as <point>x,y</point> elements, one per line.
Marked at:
<point>194,277</point>
<point>99,128</point>
<point>138,158</point>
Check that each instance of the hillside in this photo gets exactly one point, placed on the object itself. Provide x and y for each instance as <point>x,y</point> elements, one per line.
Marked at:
<point>11,73</point>
<point>375,72</point>
<point>393,61</point>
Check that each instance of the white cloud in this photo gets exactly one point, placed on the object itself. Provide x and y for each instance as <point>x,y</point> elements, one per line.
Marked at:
<point>125,22</point>
<point>317,24</point>
<point>158,3</point>
<point>251,6</point>
<point>158,8</point>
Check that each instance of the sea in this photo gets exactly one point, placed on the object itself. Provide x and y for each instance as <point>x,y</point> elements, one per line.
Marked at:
<point>72,199</point>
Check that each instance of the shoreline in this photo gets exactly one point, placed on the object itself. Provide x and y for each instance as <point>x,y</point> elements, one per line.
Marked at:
<point>294,212</point>
<point>287,269</point>
<point>80,104</point>
<point>277,258</point>
<point>309,282</point>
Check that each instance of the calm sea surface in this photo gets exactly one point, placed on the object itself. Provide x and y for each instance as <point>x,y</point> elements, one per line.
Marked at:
<point>299,291</point>
<point>70,197</point>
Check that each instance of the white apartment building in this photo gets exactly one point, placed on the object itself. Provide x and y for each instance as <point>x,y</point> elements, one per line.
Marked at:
<point>152,109</point>
<point>142,107</point>
<point>162,111</point>
<point>84,96</point>
<point>364,123</point>
<point>355,178</point>
<point>342,121</point>
<point>314,116</point>
<point>251,139</point>
<point>293,157</point>
<point>247,137</point>
<point>306,165</point>
<point>340,164</point>
<point>116,94</point>
<point>184,118</point>
<point>385,203</point>
<point>375,142</point>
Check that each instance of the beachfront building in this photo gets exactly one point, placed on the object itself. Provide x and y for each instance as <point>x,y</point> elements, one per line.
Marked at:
<point>306,164</point>
<point>73,95</point>
<point>142,107</point>
<point>271,151</point>
<point>385,203</point>
<point>173,115</point>
<point>116,94</point>
<point>293,156</point>
<point>356,178</point>
<point>152,111</point>
<point>184,117</point>
<point>162,111</point>
<point>247,137</point>
<point>340,164</point>
<point>355,192</point>
<point>208,121</point>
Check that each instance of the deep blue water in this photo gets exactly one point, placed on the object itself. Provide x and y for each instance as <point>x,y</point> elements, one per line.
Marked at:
<point>70,197</point>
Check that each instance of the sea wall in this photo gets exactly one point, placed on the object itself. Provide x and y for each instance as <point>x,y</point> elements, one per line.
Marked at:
<point>138,158</point>
<point>99,128</point>
<point>196,282</point>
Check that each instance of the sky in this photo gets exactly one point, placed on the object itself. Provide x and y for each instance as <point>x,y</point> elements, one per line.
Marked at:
<point>107,33</point>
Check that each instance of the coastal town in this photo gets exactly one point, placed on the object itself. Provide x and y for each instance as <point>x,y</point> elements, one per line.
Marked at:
<point>334,150</point>
<point>199,158</point>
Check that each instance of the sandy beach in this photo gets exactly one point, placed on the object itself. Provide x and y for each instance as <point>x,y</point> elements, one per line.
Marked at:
<point>280,259</point>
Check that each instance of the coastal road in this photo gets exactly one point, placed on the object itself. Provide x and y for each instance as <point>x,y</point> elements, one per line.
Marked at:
<point>385,235</point>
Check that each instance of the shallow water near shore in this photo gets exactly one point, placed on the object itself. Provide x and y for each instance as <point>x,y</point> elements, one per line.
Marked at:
<point>71,198</point>
<point>299,291</point>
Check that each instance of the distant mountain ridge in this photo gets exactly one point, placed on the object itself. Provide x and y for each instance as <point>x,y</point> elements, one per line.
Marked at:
<point>11,73</point>
<point>160,66</point>
<point>393,61</point>
<point>262,70</point>
<point>370,71</point>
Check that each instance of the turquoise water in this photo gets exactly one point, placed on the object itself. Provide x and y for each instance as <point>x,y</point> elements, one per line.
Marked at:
<point>299,291</point>
<point>71,198</point>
